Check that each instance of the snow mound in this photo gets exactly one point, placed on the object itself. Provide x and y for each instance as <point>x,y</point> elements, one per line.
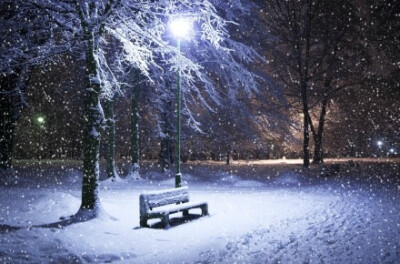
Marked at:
<point>98,213</point>
<point>249,184</point>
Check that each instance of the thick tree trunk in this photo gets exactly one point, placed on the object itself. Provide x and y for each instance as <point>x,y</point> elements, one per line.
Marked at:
<point>111,169</point>
<point>135,151</point>
<point>318,153</point>
<point>93,114</point>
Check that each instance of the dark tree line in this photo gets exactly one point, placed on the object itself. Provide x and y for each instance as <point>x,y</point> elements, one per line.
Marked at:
<point>320,51</point>
<point>321,54</point>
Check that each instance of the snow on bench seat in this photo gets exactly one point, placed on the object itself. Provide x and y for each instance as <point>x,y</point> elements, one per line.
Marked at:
<point>167,202</point>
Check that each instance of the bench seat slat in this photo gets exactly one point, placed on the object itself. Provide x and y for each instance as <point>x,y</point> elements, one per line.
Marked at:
<point>163,191</point>
<point>162,201</point>
<point>170,196</point>
<point>176,208</point>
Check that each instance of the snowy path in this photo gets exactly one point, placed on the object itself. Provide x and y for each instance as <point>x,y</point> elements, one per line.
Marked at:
<point>334,221</point>
<point>346,230</point>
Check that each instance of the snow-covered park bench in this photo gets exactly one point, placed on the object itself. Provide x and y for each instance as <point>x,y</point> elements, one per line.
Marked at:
<point>167,202</point>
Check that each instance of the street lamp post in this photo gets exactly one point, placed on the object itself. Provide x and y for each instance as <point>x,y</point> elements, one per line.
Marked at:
<point>180,28</point>
<point>178,176</point>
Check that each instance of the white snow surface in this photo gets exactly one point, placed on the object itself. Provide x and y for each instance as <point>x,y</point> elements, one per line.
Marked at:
<point>265,216</point>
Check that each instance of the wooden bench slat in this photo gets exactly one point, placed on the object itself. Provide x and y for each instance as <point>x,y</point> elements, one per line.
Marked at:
<point>177,208</point>
<point>169,196</point>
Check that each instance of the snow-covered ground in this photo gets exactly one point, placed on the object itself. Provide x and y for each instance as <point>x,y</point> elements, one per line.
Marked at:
<point>259,213</point>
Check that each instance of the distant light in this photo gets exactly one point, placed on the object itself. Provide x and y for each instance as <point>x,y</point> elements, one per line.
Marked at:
<point>40,119</point>
<point>391,150</point>
<point>180,27</point>
<point>380,143</point>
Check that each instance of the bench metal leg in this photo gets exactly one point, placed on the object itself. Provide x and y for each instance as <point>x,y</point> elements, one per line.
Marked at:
<point>165,220</point>
<point>204,209</point>
<point>185,212</point>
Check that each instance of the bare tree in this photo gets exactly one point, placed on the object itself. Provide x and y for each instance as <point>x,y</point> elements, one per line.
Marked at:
<point>314,55</point>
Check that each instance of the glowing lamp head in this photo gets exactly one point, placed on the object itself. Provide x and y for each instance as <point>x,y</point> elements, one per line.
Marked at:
<point>180,27</point>
<point>380,143</point>
<point>40,119</point>
<point>391,150</point>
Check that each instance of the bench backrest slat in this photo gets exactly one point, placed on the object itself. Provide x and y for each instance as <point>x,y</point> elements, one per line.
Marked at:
<point>151,200</point>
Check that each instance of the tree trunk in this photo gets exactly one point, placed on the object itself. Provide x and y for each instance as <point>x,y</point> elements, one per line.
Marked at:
<point>303,70</point>
<point>318,154</point>
<point>166,153</point>
<point>166,156</point>
<point>11,101</point>
<point>318,149</point>
<point>111,170</point>
<point>93,116</point>
<point>7,127</point>
<point>135,152</point>
<point>306,135</point>
<point>228,157</point>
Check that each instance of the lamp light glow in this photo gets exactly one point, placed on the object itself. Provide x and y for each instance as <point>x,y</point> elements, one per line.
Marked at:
<point>380,143</point>
<point>180,27</point>
<point>40,119</point>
